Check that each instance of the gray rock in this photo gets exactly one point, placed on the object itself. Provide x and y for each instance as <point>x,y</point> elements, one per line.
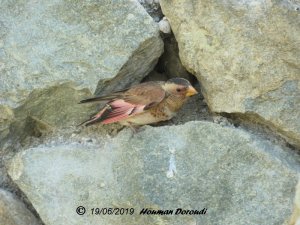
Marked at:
<point>47,43</point>
<point>295,217</point>
<point>246,55</point>
<point>57,105</point>
<point>239,178</point>
<point>52,111</point>
<point>164,26</point>
<point>49,109</point>
<point>6,118</point>
<point>14,212</point>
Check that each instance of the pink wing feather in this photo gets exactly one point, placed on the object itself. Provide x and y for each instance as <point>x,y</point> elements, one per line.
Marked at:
<point>115,111</point>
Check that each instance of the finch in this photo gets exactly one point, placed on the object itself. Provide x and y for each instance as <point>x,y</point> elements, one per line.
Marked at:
<point>145,103</point>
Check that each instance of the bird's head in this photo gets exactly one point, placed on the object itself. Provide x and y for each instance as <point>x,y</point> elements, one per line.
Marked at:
<point>179,87</point>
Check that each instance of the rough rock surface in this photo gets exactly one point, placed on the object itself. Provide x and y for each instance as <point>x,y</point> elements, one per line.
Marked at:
<point>49,109</point>
<point>246,55</point>
<point>57,106</point>
<point>295,218</point>
<point>14,212</point>
<point>6,118</point>
<point>44,43</point>
<point>233,174</point>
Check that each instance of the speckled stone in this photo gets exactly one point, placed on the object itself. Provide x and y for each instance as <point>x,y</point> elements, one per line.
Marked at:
<point>14,212</point>
<point>246,55</point>
<point>96,44</point>
<point>233,174</point>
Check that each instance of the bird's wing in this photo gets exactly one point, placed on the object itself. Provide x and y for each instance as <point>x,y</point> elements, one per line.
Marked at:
<point>133,101</point>
<point>148,94</point>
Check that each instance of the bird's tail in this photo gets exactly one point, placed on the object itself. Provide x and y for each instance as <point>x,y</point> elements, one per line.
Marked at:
<point>96,118</point>
<point>96,99</point>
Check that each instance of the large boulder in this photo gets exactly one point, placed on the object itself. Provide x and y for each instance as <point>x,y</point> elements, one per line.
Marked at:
<point>57,106</point>
<point>198,165</point>
<point>14,212</point>
<point>47,110</point>
<point>44,43</point>
<point>246,55</point>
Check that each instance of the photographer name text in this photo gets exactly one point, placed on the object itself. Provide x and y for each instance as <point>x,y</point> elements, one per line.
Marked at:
<point>178,211</point>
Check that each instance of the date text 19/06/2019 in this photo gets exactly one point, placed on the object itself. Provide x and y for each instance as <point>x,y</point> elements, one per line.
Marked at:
<point>145,211</point>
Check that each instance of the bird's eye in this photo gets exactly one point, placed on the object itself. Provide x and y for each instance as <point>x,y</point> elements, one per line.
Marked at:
<point>178,89</point>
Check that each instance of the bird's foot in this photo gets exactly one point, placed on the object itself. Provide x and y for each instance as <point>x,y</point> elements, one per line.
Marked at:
<point>133,129</point>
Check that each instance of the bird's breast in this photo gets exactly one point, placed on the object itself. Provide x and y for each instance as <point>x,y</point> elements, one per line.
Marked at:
<point>174,103</point>
<point>145,118</point>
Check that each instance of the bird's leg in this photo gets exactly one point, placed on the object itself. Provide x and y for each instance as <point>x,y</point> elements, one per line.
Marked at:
<point>133,128</point>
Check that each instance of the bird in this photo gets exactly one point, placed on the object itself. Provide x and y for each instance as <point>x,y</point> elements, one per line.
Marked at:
<point>142,104</point>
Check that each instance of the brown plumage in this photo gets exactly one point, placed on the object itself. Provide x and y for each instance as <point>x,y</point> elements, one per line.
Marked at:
<point>145,103</point>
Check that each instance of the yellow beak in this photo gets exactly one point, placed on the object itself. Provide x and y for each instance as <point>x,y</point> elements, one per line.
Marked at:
<point>191,91</point>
